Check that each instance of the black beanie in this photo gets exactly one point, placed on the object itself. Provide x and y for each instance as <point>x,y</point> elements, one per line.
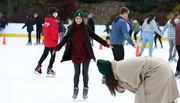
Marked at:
<point>52,10</point>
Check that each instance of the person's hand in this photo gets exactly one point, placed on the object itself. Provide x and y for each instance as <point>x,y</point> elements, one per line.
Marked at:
<point>54,51</point>
<point>134,46</point>
<point>111,46</point>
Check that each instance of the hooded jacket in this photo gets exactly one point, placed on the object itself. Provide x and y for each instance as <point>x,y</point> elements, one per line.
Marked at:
<point>119,32</point>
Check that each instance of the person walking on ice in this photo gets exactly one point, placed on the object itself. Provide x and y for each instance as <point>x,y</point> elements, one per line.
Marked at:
<point>151,79</point>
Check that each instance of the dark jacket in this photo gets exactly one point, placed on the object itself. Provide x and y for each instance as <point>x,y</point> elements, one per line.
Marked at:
<point>38,23</point>
<point>29,23</point>
<point>91,24</point>
<point>68,39</point>
<point>61,27</point>
<point>3,23</point>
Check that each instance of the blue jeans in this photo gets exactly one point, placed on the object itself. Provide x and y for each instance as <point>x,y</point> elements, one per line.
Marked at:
<point>147,37</point>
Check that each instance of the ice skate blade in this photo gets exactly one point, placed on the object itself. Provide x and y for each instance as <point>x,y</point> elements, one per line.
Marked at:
<point>50,76</point>
<point>37,73</point>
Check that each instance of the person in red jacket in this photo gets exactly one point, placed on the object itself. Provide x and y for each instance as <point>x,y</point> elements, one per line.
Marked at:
<point>79,50</point>
<point>50,31</point>
<point>177,74</point>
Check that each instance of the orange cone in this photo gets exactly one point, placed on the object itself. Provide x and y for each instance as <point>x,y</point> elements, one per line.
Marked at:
<point>4,41</point>
<point>100,47</point>
<point>137,50</point>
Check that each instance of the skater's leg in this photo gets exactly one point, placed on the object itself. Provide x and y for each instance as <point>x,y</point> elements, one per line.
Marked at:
<point>85,73</point>
<point>44,55</point>
<point>76,74</point>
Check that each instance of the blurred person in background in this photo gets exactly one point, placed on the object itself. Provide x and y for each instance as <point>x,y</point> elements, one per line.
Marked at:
<point>29,24</point>
<point>38,24</point>
<point>157,35</point>
<point>171,26</point>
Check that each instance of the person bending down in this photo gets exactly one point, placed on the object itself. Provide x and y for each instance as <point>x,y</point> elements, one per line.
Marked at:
<point>151,79</point>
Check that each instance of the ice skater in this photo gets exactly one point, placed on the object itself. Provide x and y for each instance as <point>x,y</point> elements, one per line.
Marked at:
<point>79,50</point>
<point>151,79</point>
<point>171,33</point>
<point>50,31</point>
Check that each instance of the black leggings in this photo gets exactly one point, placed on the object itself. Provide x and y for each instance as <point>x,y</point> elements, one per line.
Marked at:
<point>38,37</point>
<point>135,35</point>
<point>159,37</point>
<point>178,63</point>
<point>77,68</point>
<point>45,54</point>
<point>118,52</point>
<point>29,37</point>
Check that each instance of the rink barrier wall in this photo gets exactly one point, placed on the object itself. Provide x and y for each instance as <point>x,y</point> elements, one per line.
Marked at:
<point>15,30</point>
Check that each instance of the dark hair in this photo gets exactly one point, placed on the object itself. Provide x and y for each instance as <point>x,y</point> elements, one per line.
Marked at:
<point>176,14</point>
<point>151,17</point>
<point>123,10</point>
<point>111,83</point>
<point>52,10</point>
<point>82,28</point>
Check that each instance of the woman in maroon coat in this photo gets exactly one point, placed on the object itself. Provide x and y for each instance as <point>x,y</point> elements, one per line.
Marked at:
<point>79,49</point>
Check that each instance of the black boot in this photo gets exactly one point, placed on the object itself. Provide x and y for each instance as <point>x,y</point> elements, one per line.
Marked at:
<point>38,70</point>
<point>85,92</point>
<point>75,92</point>
<point>50,73</point>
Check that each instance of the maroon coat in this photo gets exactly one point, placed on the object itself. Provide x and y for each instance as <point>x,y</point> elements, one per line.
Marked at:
<point>178,34</point>
<point>79,52</point>
<point>68,38</point>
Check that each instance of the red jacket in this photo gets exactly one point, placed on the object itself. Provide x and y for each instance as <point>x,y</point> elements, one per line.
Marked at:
<point>178,34</point>
<point>50,31</point>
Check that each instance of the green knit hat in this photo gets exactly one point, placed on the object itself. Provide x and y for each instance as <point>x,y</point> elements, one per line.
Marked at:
<point>79,13</point>
<point>104,66</point>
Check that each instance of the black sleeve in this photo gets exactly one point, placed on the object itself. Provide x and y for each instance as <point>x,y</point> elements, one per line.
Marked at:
<point>96,37</point>
<point>25,25</point>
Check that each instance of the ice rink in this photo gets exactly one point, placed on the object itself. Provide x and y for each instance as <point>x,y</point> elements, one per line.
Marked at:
<point>18,83</point>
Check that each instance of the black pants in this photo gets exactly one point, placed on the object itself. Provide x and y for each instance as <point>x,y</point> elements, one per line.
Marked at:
<point>38,38</point>
<point>178,63</point>
<point>130,33</point>
<point>159,37</point>
<point>107,38</point>
<point>45,54</point>
<point>29,37</point>
<point>77,68</point>
<point>118,52</point>
<point>135,35</point>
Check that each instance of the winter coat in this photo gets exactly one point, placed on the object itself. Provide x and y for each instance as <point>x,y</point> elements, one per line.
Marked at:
<point>151,27</point>
<point>119,32</point>
<point>171,31</point>
<point>38,23</point>
<point>150,78</point>
<point>178,34</point>
<point>68,39</point>
<point>29,23</point>
<point>135,25</point>
<point>50,31</point>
